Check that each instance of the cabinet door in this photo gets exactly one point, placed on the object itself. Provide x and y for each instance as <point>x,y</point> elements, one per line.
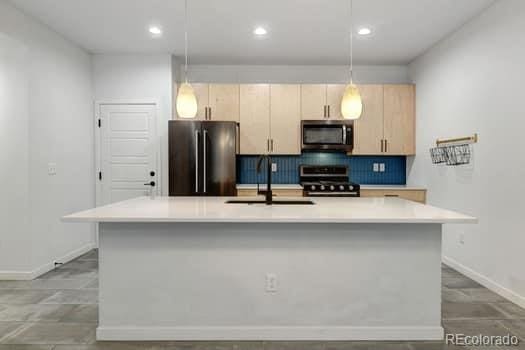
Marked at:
<point>368,130</point>
<point>334,96</point>
<point>411,195</point>
<point>399,119</point>
<point>202,94</point>
<point>313,101</point>
<point>285,120</point>
<point>224,102</point>
<point>254,118</point>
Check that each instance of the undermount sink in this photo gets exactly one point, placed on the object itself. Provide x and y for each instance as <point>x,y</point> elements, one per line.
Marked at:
<point>274,202</point>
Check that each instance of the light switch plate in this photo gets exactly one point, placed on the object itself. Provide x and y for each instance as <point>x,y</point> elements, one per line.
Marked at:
<point>271,283</point>
<point>382,167</point>
<point>51,168</point>
<point>274,167</point>
<point>376,167</point>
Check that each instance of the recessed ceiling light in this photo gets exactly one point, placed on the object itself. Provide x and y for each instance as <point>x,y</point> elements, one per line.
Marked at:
<point>260,31</point>
<point>155,31</point>
<point>364,31</point>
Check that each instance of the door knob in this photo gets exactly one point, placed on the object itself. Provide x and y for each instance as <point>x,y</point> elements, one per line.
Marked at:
<point>152,184</point>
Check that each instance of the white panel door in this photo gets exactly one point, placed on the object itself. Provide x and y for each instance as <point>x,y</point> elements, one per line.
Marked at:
<point>128,151</point>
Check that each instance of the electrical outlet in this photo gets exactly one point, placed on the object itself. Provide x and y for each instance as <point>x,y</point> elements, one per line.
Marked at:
<point>376,167</point>
<point>51,168</point>
<point>382,167</point>
<point>271,283</point>
<point>274,167</point>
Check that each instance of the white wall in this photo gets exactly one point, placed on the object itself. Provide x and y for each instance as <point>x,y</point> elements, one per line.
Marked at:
<point>473,82</point>
<point>58,129</point>
<point>295,74</point>
<point>14,155</point>
<point>138,77</point>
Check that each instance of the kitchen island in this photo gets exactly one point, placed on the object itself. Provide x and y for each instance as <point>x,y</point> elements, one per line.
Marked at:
<point>196,268</point>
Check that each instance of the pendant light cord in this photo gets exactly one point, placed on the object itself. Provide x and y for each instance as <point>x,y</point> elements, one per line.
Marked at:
<point>186,41</point>
<point>351,42</point>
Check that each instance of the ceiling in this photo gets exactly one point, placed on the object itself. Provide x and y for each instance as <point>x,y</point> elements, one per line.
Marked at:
<point>220,31</point>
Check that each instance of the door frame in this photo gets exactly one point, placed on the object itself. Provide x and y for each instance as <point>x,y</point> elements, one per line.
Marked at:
<point>98,138</point>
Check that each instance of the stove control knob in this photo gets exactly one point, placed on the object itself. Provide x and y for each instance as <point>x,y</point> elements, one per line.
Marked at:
<point>322,187</point>
<point>351,188</point>
<point>341,187</point>
<point>313,187</point>
<point>332,188</point>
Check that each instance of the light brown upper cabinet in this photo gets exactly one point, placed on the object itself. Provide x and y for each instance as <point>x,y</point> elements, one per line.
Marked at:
<point>270,119</point>
<point>254,118</point>
<point>313,101</point>
<point>224,102</point>
<point>334,96</point>
<point>321,101</point>
<point>202,95</point>
<point>400,119</point>
<point>368,130</point>
<point>387,126</point>
<point>219,102</point>
<point>285,119</point>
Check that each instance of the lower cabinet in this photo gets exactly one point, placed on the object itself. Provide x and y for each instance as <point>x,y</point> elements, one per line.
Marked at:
<point>415,195</point>
<point>278,192</point>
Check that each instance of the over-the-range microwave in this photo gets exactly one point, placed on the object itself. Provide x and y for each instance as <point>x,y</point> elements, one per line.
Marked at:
<point>327,135</point>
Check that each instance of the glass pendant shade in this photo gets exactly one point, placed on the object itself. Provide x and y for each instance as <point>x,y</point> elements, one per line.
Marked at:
<point>351,105</point>
<point>186,102</point>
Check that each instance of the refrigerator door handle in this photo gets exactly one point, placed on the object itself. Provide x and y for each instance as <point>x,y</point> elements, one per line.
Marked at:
<point>196,161</point>
<point>204,180</point>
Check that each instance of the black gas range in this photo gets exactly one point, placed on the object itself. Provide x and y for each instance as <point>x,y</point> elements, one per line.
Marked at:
<point>327,181</point>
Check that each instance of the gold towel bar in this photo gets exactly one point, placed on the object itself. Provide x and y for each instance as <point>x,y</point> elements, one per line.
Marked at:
<point>468,139</point>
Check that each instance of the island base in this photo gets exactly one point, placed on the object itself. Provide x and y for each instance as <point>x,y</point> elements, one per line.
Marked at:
<point>239,281</point>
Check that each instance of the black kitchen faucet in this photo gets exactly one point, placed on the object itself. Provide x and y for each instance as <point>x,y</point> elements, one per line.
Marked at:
<point>268,192</point>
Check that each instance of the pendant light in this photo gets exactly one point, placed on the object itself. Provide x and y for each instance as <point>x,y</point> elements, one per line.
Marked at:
<point>186,100</point>
<point>351,105</point>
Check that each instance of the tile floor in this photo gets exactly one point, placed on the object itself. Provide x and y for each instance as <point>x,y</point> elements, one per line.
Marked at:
<point>59,311</point>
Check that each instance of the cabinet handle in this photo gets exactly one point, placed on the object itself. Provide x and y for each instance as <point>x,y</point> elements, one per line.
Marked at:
<point>268,145</point>
<point>204,145</point>
<point>271,143</point>
<point>209,114</point>
<point>324,112</point>
<point>382,145</point>
<point>328,107</point>
<point>386,146</point>
<point>196,161</point>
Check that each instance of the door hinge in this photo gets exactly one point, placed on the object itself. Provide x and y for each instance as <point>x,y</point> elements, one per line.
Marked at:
<point>99,122</point>
<point>100,175</point>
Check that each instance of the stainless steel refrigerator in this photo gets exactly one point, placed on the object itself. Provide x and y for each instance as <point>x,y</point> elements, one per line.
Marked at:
<point>202,158</point>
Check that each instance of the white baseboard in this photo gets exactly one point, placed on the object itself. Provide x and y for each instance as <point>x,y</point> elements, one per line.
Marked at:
<point>486,282</point>
<point>268,333</point>
<point>30,275</point>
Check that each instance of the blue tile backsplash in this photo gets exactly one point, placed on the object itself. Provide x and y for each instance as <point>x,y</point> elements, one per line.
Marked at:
<point>361,168</point>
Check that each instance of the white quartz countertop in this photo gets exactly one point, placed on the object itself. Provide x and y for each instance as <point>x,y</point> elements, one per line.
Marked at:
<point>214,209</point>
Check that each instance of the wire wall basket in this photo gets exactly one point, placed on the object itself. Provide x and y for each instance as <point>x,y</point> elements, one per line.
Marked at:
<point>438,155</point>
<point>453,151</point>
